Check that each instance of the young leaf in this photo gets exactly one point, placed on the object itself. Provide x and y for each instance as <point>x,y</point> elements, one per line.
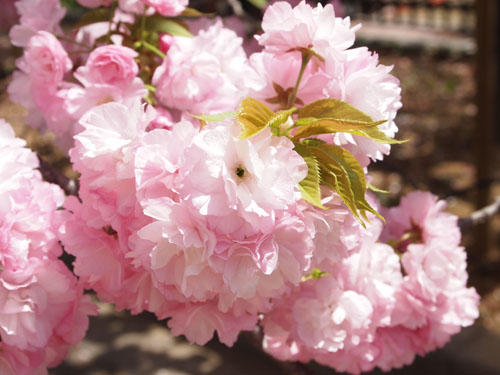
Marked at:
<point>343,173</point>
<point>333,108</point>
<point>254,116</point>
<point>376,189</point>
<point>376,135</point>
<point>331,125</point>
<point>261,4</point>
<point>173,27</point>
<point>310,186</point>
<point>193,13</point>
<point>279,118</point>
<point>216,117</point>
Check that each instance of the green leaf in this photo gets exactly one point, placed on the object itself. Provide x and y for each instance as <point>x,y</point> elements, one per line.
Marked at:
<point>150,47</point>
<point>93,16</point>
<point>279,118</point>
<point>377,135</point>
<point>261,4</point>
<point>172,27</point>
<point>310,186</point>
<point>342,172</point>
<point>216,117</point>
<point>376,189</point>
<point>253,116</point>
<point>193,13</point>
<point>330,115</point>
<point>333,108</point>
<point>330,125</point>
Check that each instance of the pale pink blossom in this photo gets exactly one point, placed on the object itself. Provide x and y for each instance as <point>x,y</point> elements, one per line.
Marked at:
<point>205,74</point>
<point>109,75</point>
<point>109,65</point>
<point>95,3</point>
<point>369,87</point>
<point>163,119</point>
<point>168,7</point>
<point>16,362</point>
<point>19,91</point>
<point>198,322</point>
<point>323,319</point>
<point>278,75</point>
<point>36,15</point>
<point>43,310</point>
<point>229,250</point>
<point>46,60</point>
<point>132,6</point>
<point>287,29</point>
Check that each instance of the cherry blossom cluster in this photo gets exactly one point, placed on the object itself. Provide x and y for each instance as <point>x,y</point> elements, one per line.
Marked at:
<point>398,290</point>
<point>223,184</point>
<point>43,310</point>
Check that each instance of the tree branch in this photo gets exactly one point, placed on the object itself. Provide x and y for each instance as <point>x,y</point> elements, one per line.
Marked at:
<point>480,216</point>
<point>52,175</point>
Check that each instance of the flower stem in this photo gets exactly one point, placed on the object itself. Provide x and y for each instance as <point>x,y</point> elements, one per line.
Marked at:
<point>69,40</point>
<point>110,25</point>
<point>306,57</point>
<point>153,49</point>
<point>150,87</point>
<point>143,24</point>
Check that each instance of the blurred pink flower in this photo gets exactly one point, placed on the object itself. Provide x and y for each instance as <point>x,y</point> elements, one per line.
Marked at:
<point>286,28</point>
<point>168,7</point>
<point>46,60</point>
<point>109,65</point>
<point>94,3</point>
<point>205,74</point>
<point>36,15</point>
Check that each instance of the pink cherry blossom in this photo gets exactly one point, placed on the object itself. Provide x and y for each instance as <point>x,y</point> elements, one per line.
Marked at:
<point>46,59</point>
<point>132,6</point>
<point>278,76</point>
<point>205,74</point>
<point>109,65</point>
<point>43,310</point>
<point>95,3</point>
<point>286,28</point>
<point>36,15</point>
<point>368,86</point>
<point>168,7</point>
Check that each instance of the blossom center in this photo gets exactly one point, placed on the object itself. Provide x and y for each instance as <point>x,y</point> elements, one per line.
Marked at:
<point>240,171</point>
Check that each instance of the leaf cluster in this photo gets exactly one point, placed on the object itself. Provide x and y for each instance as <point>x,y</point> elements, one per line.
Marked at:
<point>328,165</point>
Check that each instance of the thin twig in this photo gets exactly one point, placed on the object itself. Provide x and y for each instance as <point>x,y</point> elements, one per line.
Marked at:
<point>52,175</point>
<point>237,8</point>
<point>480,216</point>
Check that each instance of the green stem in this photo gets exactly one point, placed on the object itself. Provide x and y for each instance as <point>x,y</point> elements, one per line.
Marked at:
<point>153,49</point>
<point>306,57</point>
<point>143,24</point>
<point>69,40</point>
<point>287,131</point>
<point>150,87</point>
<point>111,16</point>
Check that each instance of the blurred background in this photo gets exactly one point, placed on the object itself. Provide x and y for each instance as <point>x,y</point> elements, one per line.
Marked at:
<point>446,55</point>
